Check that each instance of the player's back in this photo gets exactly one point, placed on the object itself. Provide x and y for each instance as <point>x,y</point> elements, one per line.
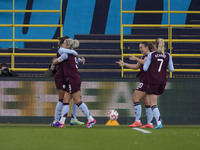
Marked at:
<point>158,67</point>
<point>70,65</point>
<point>70,68</point>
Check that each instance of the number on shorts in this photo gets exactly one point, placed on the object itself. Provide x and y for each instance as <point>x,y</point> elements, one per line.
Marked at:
<point>140,84</point>
<point>161,62</point>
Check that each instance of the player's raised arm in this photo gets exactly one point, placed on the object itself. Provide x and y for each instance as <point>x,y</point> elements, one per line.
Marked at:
<point>131,66</point>
<point>60,59</point>
<point>67,51</point>
<point>141,61</point>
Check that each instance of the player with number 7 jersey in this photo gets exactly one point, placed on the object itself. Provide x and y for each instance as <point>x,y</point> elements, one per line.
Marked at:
<point>157,63</point>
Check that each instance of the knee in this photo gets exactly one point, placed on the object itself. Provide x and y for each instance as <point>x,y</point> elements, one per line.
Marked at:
<point>76,101</point>
<point>135,99</point>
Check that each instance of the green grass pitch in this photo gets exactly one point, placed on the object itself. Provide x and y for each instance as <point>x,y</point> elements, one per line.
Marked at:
<point>100,137</point>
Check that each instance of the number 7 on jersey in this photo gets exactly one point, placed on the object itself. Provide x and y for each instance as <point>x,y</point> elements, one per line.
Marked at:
<point>161,62</point>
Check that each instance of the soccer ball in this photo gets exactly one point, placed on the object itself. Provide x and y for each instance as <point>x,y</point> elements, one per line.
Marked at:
<point>113,115</point>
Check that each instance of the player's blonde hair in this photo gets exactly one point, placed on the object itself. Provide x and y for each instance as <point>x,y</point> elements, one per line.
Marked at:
<point>160,45</point>
<point>73,43</point>
<point>70,42</point>
<point>62,39</point>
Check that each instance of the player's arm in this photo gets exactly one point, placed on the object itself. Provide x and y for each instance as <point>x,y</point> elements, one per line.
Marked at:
<point>131,66</point>
<point>147,62</point>
<point>65,57</point>
<point>60,59</point>
<point>170,66</point>
<point>141,61</point>
<point>81,60</point>
<point>67,51</point>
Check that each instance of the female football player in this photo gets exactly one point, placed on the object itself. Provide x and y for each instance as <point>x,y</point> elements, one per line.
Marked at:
<point>140,92</point>
<point>72,80</point>
<point>59,81</point>
<point>156,64</point>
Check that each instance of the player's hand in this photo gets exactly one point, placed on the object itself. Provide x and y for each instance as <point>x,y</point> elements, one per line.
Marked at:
<point>132,57</point>
<point>121,63</point>
<point>52,67</point>
<point>83,60</point>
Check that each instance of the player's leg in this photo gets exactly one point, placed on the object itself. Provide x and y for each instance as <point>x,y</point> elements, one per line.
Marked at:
<point>74,87</point>
<point>137,95</point>
<point>149,113</point>
<point>84,109</point>
<point>59,107</point>
<point>65,110</point>
<point>153,99</point>
<point>74,120</point>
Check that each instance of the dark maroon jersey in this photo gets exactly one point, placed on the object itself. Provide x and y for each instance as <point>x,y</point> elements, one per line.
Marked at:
<point>59,76</point>
<point>71,75</point>
<point>142,72</point>
<point>59,72</point>
<point>158,68</point>
<point>67,73</point>
<point>70,68</point>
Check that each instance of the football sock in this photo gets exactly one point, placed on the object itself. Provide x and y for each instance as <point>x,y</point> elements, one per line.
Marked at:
<point>58,110</point>
<point>90,118</point>
<point>138,111</point>
<point>64,112</point>
<point>85,110</point>
<point>156,114</point>
<point>62,120</point>
<point>149,114</point>
<point>74,111</point>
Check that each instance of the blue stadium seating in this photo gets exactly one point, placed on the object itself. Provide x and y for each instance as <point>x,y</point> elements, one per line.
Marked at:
<point>102,51</point>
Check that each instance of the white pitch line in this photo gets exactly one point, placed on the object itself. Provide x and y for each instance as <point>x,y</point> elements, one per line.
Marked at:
<point>141,130</point>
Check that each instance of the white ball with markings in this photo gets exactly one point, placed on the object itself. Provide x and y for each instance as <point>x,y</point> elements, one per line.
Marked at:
<point>113,115</point>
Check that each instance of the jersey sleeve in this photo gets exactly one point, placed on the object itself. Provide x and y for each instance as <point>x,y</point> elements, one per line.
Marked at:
<point>63,57</point>
<point>147,62</point>
<point>67,51</point>
<point>170,66</point>
<point>79,60</point>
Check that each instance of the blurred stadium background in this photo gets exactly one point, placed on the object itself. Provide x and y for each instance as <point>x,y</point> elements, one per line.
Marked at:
<point>108,30</point>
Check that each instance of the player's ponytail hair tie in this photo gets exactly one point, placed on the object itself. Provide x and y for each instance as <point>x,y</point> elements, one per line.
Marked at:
<point>160,44</point>
<point>75,43</point>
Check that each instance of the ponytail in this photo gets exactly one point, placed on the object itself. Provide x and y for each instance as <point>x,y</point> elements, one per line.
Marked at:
<point>160,44</point>
<point>73,43</point>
